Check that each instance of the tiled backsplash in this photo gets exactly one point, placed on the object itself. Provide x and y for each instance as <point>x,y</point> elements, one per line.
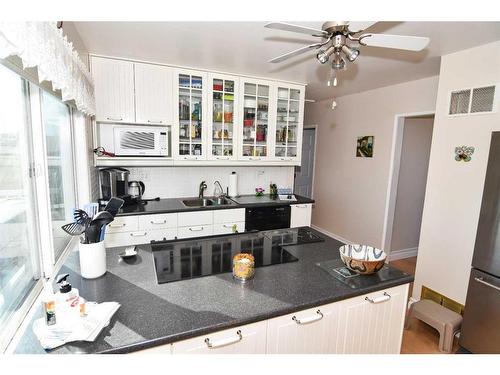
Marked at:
<point>172,182</point>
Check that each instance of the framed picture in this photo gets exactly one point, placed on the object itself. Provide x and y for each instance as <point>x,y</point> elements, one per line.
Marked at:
<point>364,148</point>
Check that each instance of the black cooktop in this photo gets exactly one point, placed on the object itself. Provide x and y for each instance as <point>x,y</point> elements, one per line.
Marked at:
<point>293,236</point>
<point>188,259</point>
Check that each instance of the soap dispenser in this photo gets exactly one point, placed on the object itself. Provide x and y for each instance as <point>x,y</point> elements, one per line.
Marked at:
<point>67,299</point>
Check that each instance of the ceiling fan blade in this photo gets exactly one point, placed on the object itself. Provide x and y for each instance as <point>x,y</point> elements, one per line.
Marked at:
<point>358,26</point>
<point>294,53</point>
<point>296,29</point>
<point>409,43</point>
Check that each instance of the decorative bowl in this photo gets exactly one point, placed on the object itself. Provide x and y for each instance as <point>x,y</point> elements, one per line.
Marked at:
<point>362,259</point>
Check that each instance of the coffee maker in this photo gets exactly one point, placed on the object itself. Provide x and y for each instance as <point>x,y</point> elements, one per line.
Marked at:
<point>114,183</point>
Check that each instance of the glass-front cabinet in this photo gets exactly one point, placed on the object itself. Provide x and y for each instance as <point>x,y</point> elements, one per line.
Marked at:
<point>289,122</point>
<point>223,104</point>
<point>255,130</point>
<point>190,119</point>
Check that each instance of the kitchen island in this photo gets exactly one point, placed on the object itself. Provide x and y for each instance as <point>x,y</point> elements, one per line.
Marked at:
<point>156,315</point>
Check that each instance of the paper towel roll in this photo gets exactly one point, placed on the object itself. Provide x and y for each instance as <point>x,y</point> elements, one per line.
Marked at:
<point>233,185</point>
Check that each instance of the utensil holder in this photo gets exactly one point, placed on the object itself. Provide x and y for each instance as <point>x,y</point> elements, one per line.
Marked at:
<point>92,260</point>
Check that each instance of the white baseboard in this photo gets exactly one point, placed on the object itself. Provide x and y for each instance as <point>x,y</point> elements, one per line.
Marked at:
<point>333,235</point>
<point>403,253</point>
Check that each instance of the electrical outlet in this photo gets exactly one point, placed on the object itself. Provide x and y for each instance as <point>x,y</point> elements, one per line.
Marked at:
<point>260,173</point>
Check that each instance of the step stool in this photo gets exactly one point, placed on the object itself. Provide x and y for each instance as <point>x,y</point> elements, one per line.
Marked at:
<point>445,321</point>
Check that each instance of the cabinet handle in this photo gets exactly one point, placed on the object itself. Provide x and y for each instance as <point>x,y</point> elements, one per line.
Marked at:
<point>250,158</point>
<point>193,229</point>
<point>228,225</point>
<point>159,222</point>
<point>301,205</point>
<point>219,158</point>
<point>224,342</point>
<point>481,280</point>
<point>155,122</point>
<point>114,118</point>
<point>311,319</point>
<point>138,234</point>
<point>385,297</point>
<point>116,225</point>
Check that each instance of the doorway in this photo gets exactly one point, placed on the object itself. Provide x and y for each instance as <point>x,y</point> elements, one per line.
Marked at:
<point>304,175</point>
<point>411,151</point>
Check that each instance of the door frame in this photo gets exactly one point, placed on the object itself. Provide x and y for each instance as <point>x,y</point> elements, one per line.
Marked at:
<point>315,127</point>
<point>392,183</point>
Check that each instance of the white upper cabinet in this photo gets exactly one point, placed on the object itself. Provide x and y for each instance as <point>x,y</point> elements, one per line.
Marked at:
<point>153,94</point>
<point>289,122</point>
<point>224,122</point>
<point>256,115</point>
<point>190,116</point>
<point>114,89</point>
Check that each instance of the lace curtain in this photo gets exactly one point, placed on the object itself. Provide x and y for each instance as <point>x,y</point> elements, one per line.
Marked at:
<point>43,45</point>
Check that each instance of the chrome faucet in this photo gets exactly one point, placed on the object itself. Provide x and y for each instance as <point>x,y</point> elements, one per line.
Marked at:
<point>218,186</point>
<point>203,186</point>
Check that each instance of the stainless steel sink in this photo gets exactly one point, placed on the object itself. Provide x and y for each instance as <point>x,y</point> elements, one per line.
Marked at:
<point>204,202</point>
<point>198,202</point>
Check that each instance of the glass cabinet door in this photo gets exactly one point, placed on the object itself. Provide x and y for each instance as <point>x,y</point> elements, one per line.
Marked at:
<point>255,120</point>
<point>190,115</point>
<point>223,115</point>
<point>287,122</point>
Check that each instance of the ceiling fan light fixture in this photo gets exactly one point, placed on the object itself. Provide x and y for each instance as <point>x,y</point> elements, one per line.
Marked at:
<point>338,62</point>
<point>350,53</point>
<point>324,55</point>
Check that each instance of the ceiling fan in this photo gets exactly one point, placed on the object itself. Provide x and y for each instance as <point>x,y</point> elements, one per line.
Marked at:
<point>335,36</point>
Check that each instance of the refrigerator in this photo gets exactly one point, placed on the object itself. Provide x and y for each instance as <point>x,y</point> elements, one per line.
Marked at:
<point>481,324</point>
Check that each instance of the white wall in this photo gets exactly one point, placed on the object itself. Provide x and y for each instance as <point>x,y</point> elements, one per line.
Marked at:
<point>454,189</point>
<point>173,182</point>
<point>415,152</point>
<point>351,192</point>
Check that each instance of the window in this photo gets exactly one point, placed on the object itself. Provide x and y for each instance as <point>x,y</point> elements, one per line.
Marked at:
<point>19,259</point>
<point>35,133</point>
<point>59,148</point>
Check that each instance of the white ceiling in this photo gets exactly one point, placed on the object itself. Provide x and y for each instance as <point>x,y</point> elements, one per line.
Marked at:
<point>245,47</point>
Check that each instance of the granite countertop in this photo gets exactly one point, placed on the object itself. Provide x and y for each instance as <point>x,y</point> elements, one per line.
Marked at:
<point>171,205</point>
<point>154,314</point>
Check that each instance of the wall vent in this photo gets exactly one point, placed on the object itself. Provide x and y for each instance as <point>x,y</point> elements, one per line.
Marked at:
<point>476,100</point>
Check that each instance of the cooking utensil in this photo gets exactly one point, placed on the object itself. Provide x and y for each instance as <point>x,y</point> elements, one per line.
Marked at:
<point>74,229</point>
<point>81,217</point>
<point>94,231</point>
<point>91,209</point>
<point>114,205</point>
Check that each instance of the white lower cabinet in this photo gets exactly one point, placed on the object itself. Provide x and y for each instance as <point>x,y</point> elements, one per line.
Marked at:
<point>312,331</point>
<point>247,339</point>
<point>373,323</point>
<point>229,228</point>
<point>300,215</point>
<point>139,237</point>
<point>195,231</point>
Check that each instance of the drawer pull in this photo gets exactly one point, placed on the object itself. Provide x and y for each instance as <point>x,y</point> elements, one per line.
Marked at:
<point>301,205</point>
<point>198,229</point>
<point>158,222</point>
<point>224,342</point>
<point>136,234</point>
<point>385,297</point>
<point>481,280</point>
<point>117,225</point>
<point>155,122</point>
<point>228,225</point>
<point>311,319</point>
<point>114,118</point>
<point>221,158</point>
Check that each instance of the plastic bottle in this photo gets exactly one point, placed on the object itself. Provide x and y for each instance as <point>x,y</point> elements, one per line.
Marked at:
<point>67,299</point>
<point>48,303</point>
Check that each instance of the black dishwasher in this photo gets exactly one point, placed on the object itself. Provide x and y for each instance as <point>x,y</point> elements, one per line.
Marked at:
<point>267,217</point>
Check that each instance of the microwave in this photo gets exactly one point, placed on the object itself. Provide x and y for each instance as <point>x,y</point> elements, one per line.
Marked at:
<point>140,141</point>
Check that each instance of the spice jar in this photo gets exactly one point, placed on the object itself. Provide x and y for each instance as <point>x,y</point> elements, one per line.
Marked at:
<point>243,266</point>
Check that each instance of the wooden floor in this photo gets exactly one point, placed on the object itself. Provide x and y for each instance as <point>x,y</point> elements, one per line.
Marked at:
<point>420,338</point>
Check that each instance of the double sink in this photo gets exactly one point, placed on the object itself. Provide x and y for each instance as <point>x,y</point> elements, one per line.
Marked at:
<point>209,201</point>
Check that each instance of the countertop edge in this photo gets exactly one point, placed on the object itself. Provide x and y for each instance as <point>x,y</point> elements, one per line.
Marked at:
<point>238,322</point>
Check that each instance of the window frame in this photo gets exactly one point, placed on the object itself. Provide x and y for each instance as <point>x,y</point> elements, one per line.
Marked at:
<point>37,172</point>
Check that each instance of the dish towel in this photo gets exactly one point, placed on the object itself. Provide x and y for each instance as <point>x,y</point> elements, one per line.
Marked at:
<point>83,329</point>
